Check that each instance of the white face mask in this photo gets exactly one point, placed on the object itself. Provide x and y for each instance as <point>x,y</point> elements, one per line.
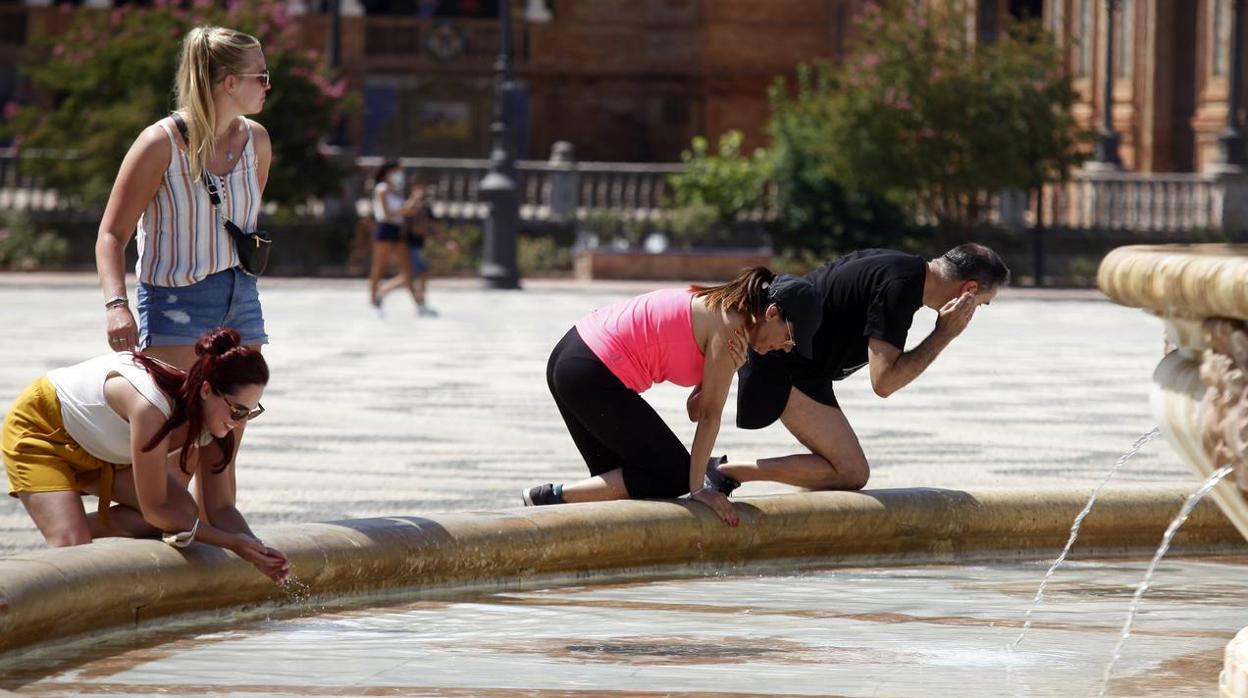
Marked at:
<point>396,179</point>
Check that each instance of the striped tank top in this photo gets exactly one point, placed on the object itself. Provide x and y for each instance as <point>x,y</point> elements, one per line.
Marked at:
<point>180,238</point>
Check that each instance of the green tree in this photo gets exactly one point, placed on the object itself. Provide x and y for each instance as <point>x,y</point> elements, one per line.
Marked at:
<point>819,215</point>
<point>923,115</point>
<point>112,73</point>
<point>728,182</point>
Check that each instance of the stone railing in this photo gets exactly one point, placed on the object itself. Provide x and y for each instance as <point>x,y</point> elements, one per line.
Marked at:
<point>1158,202</point>
<point>555,190</point>
<point>563,189</point>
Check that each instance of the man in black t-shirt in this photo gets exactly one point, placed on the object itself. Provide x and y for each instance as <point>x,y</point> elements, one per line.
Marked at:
<point>869,301</point>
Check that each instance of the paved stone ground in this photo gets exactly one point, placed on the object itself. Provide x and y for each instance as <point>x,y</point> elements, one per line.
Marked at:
<point>398,415</point>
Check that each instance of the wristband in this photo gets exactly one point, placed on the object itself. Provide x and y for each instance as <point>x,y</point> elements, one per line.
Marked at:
<point>183,539</point>
<point>116,302</point>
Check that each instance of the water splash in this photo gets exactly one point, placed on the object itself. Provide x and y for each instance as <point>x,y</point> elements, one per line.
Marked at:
<point>1185,512</point>
<point>296,591</point>
<point>1074,529</point>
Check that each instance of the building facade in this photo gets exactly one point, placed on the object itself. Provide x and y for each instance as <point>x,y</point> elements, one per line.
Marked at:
<point>635,80</point>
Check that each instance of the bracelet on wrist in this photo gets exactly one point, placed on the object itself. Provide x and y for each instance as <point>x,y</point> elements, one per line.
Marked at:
<point>116,302</point>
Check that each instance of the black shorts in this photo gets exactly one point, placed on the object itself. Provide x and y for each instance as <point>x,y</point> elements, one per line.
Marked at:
<point>763,386</point>
<point>386,232</point>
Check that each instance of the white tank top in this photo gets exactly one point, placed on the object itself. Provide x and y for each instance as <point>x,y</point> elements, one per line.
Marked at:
<point>393,199</point>
<point>88,418</point>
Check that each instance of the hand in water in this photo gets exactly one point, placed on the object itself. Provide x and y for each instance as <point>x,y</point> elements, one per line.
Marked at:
<point>719,504</point>
<point>269,561</point>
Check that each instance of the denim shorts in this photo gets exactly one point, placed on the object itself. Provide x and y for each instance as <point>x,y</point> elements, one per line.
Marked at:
<point>182,314</point>
<point>419,266</point>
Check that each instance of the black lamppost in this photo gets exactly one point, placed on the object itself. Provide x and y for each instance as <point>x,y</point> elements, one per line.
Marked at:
<point>1105,154</point>
<point>1231,156</point>
<point>334,44</point>
<point>498,187</point>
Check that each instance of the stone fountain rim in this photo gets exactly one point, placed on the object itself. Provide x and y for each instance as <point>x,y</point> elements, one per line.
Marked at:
<point>53,597</point>
<point>1179,280</point>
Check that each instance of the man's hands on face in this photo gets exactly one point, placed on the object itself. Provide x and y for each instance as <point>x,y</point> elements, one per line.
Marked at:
<point>956,315</point>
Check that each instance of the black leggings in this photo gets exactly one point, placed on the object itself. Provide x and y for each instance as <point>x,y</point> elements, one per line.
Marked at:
<point>613,426</point>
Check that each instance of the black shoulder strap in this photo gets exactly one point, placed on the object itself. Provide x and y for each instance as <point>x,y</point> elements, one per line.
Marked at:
<point>186,137</point>
<point>181,124</point>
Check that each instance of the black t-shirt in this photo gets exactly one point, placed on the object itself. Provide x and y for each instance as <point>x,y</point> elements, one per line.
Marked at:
<point>866,294</point>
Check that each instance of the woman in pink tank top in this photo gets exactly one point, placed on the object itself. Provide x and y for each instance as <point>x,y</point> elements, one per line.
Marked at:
<point>693,337</point>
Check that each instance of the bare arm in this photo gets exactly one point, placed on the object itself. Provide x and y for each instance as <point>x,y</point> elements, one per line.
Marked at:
<point>892,369</point>
<point>137,181</point>
<point>264,153</point>
<point>163,501</point>
<point>720,366</point>
<point>217,492</point>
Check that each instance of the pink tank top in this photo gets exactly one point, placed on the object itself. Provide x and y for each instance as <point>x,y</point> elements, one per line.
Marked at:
<point>647,339</point>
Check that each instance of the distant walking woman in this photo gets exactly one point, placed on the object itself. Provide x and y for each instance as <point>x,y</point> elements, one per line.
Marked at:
<point>134,430</point>
<point>687,336</point>
<point>188,271</point>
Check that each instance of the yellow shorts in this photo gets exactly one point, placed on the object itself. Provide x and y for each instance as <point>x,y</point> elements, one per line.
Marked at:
<point>40,456</point>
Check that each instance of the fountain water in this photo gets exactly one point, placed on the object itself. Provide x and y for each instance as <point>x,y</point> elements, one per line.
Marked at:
<point>1140,590</point>
<point>1074,528</point>
<point>1200,390</point>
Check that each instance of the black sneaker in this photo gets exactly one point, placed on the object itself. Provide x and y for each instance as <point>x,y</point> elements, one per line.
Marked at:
<point>717,480</point>
<point>541,495</point>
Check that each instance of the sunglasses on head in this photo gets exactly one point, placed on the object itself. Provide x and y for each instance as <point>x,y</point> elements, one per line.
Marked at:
<point>242,413</point>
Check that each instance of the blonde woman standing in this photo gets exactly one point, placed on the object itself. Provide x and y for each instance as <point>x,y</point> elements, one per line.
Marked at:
<point>189,278</point>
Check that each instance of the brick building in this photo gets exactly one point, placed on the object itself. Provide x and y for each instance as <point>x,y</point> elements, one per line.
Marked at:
<point>634,80</point>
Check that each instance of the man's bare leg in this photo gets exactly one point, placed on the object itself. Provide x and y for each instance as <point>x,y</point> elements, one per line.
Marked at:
<point>835,461</point>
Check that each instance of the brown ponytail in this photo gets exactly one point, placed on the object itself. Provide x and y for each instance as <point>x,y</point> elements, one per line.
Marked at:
<point>746,294</point>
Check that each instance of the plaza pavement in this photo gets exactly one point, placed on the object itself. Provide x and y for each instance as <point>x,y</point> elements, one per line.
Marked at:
<point>374,416</point>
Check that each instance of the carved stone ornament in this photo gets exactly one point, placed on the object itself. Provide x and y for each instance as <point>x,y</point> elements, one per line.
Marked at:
<point>1224,409</point>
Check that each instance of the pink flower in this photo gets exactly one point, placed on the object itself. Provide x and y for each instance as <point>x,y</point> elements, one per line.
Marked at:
<point>10,110</point>
<point>58,50</point>
<point>870,61</point>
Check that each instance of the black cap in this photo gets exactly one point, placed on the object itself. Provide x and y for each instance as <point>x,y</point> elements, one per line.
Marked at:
<point>801,305</point>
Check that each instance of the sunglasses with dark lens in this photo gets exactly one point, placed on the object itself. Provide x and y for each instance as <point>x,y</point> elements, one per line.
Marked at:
<point>264,77</point>
<point>242,413</point>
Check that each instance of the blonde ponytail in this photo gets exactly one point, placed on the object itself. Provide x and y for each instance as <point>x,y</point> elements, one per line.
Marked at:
<point>209,54</point>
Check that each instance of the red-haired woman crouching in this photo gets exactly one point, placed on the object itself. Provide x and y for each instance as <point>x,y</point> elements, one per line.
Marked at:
<point>133,430</point>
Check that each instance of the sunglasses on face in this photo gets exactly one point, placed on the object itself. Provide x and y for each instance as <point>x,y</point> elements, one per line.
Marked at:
<point>242,413</point>
<point>264,77</point>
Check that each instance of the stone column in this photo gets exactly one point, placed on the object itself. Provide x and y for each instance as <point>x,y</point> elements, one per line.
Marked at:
<point>563,183</point>
<point>1105,156</point>
<point>1231,157</point>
